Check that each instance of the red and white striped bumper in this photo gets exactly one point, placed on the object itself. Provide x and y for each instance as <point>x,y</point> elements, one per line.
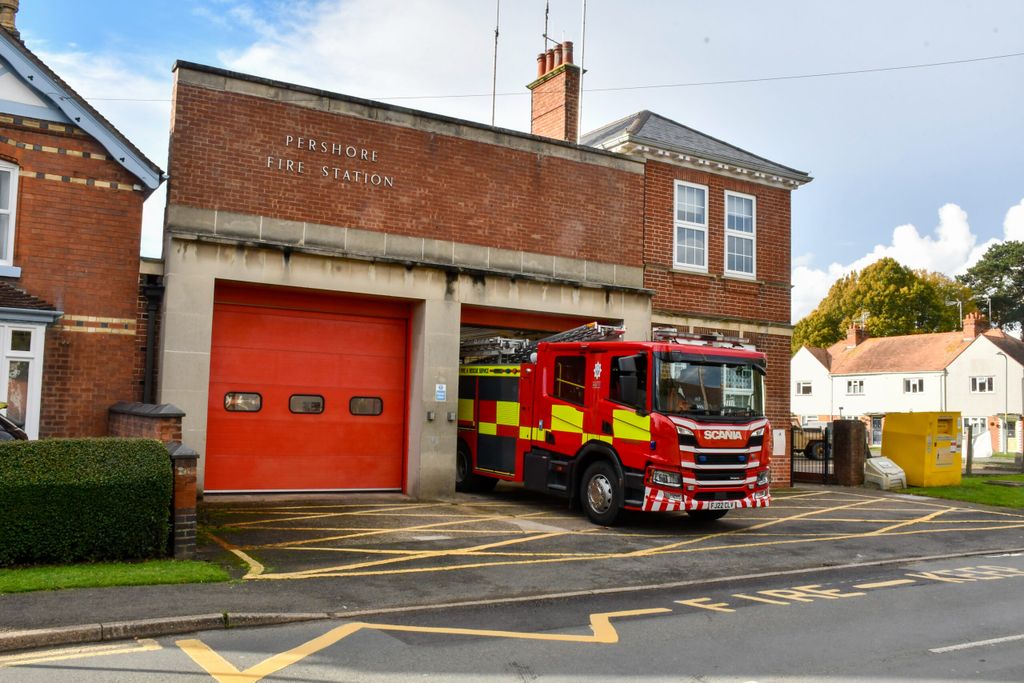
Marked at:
<point>659,500</point>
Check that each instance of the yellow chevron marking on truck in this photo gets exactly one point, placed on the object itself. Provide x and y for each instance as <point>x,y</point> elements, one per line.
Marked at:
<point>626,424</point>
<point>566,419</point>
<point>466,409</point>
<point>508,413</point>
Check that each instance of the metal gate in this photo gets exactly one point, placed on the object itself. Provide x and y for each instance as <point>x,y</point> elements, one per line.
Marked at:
<point>810,457</point>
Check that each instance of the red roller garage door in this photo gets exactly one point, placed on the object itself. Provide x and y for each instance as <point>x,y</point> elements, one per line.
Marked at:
<point>307,392</point>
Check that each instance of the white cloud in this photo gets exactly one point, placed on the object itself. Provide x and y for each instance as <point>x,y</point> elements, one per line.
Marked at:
<point>1013,224</point>
<point>952,249</point>
<point>107,83</point>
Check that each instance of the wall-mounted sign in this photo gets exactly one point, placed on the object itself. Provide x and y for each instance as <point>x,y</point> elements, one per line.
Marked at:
<point>346,163</point>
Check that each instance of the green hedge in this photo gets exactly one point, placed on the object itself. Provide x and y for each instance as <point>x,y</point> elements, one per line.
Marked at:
<point>74,500</point>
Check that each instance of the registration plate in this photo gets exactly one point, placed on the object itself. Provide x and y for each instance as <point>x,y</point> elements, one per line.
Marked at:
<point>721,504</point>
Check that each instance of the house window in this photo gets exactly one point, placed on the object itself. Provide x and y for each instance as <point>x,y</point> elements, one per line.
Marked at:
<point>21,357</point>
<point>803,388</point>
<point>855,387</point>
<point>8,210</point>
<point>691,226</point>
<point>913,386</point>
<point>740,234</point>
<point>982,385</point>
<point>1011,429</point>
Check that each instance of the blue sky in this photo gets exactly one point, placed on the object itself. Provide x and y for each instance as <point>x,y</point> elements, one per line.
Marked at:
<point>921,164</point>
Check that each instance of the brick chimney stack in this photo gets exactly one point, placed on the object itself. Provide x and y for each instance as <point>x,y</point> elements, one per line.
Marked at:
<point>855,335</point>
<point>8,10</point>
<point>556,95</point>
<point>974,324</point>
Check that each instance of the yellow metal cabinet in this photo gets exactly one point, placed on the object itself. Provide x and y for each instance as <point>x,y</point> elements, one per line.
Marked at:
<point>925,445</point>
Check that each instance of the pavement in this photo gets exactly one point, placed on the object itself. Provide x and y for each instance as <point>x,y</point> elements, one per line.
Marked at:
<point>302,558</point>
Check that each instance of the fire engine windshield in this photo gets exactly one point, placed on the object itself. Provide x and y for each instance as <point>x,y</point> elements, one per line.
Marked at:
<point>688,385</point>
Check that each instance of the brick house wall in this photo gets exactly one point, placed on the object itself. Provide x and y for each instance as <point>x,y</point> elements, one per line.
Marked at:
<point>764,301</point>
<point>77,243</point>
<point>445,187</point>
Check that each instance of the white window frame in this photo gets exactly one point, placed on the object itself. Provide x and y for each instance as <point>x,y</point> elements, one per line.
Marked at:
<point>752,236</point>
<point>979,380</point>
<point>688,225</point>
<point>854,387</point>
<point>34,356</point>
<point>801,385</point>
<point>7,255</point>
<point>913,385</point>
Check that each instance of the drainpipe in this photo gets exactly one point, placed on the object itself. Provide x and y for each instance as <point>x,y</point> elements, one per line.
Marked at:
<point>154,294</point>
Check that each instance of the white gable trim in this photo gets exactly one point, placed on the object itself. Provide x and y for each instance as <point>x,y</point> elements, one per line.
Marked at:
<point>77,114</point>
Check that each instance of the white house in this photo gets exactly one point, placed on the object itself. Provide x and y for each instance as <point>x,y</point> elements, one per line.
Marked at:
<point>977,372</point>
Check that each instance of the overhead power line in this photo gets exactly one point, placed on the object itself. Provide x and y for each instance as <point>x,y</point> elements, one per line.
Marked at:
<point>693,84</point>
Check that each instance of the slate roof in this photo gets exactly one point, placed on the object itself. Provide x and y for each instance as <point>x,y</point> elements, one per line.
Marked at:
<point>657,131</point>
<point>12,297</point>
<point>83,104</point>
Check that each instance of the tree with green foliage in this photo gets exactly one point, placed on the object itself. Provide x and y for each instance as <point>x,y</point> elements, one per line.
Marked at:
<point>890,299</point>
<point>1000,275</point>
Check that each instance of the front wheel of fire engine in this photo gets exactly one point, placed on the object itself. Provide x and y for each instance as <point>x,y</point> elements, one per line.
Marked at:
<point>601,494</point>
<point>706,515</point>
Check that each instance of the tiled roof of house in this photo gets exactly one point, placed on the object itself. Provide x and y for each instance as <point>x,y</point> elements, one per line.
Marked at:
<point>821,355</point>
<point>663,133</point>
<point>907,353</point>
<point>12,297</point>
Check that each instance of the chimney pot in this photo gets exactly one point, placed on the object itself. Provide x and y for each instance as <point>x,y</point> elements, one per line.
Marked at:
<point>855,335</point>
<point>567,52</point>
<point>550,61</point>
<point>558,55</point>
<point>542,64</point>
<point>8,11</point>
<point>974,325</point>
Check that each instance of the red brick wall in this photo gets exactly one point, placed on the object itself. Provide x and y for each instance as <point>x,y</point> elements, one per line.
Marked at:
<point>554,108</point>
<point>767,299</point>
<point>142,324</point>
<point>164,429</point>
<point>78,248</point>
<point>444,187</point>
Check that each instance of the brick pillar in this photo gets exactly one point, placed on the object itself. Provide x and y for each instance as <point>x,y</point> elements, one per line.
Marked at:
<point>849,443</point>
<point>183,513</point>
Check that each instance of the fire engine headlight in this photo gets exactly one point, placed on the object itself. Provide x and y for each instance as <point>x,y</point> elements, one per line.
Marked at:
<point>763,477</point>
<point>683,431</point>
<point>758,432</point>
<point>686,437</point>
<point>663,478</point>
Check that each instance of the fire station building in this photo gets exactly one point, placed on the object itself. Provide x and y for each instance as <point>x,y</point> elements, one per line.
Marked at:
<point>324,255</point>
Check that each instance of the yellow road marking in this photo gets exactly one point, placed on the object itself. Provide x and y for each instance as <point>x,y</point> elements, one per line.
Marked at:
<point>61,654</point>
<point>909,522</point>
<point>884,584</point>
<point>424,555</point>
<point>255,568</point>
<point>223,671</point>
<point>324,515</point>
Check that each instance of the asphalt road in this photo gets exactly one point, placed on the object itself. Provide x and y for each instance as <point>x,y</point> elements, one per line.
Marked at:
<point>949,620</point>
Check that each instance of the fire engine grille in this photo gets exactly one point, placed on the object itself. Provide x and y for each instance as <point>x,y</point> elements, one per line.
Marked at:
<point>734,477</point>
<point>720,495</point>
<point>721,458</point>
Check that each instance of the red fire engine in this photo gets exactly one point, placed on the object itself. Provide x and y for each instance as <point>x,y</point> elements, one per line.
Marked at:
<point>672,424</point>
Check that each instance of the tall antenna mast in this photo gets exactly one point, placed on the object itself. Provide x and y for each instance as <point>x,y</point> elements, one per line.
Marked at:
<point>494,72</point>
<point>583,57</point>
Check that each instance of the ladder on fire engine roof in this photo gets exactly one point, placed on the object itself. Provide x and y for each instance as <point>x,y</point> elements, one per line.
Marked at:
<point>511,350</point>
<point>672,335</point>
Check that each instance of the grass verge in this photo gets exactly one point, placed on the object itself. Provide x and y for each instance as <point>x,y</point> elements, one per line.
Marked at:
<point>973,489</point>
<point>23,580</point>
